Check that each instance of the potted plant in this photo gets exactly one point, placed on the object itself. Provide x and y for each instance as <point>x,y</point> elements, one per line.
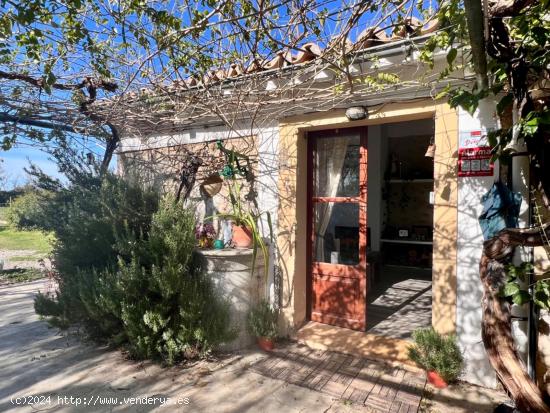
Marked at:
<point>205,234</point>
<point>246,232</point>
<point>242,236</point>
<point>262,324</point>
<point>439,355</point>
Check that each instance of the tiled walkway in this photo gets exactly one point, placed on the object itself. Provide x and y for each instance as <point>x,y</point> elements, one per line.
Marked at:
<point>379,387</point>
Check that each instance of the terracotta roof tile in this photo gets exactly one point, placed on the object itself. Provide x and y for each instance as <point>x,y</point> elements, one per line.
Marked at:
<point>310,51</point>
<point>430,26</point>
<point>280,60</point>
<point>369,37</point>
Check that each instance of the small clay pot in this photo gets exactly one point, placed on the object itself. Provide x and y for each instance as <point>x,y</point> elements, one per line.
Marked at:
<point>266,344</point>
<point>242,236</point>
<point>436,380</point>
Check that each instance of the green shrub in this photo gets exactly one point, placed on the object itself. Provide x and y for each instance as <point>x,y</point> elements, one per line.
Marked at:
<point>46,305</point>
<point>126,272</point>
<point>435,352</point>
<point>25,212</point>
<point>168,306</point>
<point>93,220</point>
<point>262,320</point>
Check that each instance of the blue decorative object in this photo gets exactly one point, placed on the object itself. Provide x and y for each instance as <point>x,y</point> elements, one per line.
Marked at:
<point>218,244</point>
<point>500,210</point>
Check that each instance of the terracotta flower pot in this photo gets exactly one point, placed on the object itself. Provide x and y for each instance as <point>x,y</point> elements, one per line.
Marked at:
<point>266,344</point>
<point>436,380</point>
<point>242,237</point>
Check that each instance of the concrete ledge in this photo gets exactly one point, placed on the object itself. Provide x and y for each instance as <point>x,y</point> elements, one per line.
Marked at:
<point>388,350</point>
<point>230,259</point>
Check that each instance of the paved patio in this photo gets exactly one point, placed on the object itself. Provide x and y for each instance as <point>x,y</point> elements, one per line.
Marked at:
<point>365,382</point>
<point>45,370</point>
<point>400,302</point>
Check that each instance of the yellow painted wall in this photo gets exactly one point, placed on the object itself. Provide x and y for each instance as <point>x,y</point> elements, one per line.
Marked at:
<point>292,186</point>
<point>445,220</point>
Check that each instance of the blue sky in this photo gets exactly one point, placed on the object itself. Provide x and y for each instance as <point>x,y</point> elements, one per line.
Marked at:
<point>13,162</point>
<point>16,159</point>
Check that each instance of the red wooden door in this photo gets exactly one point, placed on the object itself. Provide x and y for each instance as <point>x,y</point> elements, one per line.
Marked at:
<point>338,227</point>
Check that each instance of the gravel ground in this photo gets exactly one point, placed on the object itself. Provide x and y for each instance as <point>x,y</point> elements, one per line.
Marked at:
<point>16,259</point>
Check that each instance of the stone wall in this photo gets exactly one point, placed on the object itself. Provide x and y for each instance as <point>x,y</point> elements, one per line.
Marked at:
<point>248,138</point>
<point>162,168</point>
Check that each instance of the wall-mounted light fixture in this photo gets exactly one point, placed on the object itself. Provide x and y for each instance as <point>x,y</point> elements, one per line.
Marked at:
<point>357,113</point>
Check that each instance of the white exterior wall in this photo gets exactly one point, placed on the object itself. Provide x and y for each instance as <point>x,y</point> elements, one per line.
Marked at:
<point>268,167</point>
<point>469,245</point>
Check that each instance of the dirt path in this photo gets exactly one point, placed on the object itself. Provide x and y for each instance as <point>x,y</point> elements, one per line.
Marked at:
<point>23,259</point>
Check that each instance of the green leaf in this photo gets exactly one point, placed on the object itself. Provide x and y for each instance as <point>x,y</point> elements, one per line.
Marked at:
<point>541,297</point>
<point>451,56</point>
<point>444,92</point>
<point>441,94</point>
<point>521,297</point>
<point>512,270</point>
<point>527,267</point>
<point>468,101</point>
<point>510,289</point>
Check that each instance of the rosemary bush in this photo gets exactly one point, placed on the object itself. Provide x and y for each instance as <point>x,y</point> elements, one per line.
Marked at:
<point>126,273</point>
<point>435,352</point>
<point>262,320</point>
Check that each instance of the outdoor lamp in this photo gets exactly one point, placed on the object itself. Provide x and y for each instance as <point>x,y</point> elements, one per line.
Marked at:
<point>357,113</point>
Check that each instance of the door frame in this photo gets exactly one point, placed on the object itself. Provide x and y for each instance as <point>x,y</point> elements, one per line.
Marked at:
<point>363,221</point>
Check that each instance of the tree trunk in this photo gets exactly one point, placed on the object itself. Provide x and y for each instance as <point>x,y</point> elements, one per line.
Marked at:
<point>112,145</point>
<point>476,32</point>
<point>496,325</point>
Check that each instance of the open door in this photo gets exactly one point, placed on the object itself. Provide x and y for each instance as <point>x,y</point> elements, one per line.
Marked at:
<point>338,227</point>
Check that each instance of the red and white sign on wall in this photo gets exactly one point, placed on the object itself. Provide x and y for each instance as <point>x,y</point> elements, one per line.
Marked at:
<point>474,154</point>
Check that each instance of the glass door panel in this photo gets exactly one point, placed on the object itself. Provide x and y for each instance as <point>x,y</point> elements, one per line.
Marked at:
<point>336,233</point>
<point>337,167</point>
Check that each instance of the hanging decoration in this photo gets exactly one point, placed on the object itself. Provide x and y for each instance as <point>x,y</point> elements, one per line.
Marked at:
<point>233,163</point>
